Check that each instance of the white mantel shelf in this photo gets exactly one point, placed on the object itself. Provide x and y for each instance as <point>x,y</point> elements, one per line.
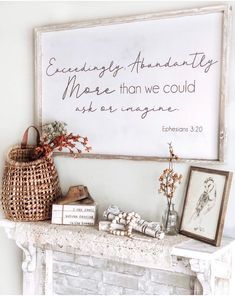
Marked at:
<point>86,240</point>
<point>174,253</point>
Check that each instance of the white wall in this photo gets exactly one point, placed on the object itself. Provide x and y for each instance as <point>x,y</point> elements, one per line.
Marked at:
<point>129,184</point>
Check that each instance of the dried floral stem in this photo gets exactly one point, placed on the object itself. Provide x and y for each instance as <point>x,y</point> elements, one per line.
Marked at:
<point>168,213</point>
<point>55,137</point>
<point>168,180</point>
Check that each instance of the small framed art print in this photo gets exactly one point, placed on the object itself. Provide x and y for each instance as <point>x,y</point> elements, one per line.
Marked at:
<point>205,204</point>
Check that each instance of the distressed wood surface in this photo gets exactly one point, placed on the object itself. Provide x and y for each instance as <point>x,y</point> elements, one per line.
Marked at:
<point>170,266</point>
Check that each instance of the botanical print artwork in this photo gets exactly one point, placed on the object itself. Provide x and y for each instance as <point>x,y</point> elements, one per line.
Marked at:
<point>205,204</point>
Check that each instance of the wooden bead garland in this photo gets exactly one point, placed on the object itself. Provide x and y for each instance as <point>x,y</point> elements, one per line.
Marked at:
<point>130,220</point>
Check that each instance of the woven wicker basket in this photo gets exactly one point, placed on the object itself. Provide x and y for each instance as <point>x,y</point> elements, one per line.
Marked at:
<point>29,187</point>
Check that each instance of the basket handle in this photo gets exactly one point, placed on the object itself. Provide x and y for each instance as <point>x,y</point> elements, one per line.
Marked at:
<point>24,141</point>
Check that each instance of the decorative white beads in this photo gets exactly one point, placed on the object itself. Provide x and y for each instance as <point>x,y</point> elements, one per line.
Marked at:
<point>130,220</point>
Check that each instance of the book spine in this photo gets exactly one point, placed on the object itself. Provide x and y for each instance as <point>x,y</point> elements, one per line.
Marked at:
<point>74,215</point>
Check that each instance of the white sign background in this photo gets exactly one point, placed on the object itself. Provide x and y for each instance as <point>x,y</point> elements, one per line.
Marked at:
<point>191,92</point>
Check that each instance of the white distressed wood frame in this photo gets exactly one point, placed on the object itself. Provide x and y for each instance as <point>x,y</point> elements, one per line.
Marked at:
<point>225,9</point>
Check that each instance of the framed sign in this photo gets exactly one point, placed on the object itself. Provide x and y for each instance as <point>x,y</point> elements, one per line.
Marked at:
<point>205,204</point>
<point>133,84</point>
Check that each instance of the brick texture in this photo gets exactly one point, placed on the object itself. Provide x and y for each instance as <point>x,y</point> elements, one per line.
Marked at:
<point>169,278</point>
<point>87,275</point>
<point>118,279</point>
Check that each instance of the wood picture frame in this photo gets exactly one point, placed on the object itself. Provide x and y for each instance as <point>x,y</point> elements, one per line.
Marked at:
<point>205,204</point>
<point>76,83</point>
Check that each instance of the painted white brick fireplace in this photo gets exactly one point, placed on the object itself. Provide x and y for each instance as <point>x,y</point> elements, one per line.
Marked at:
<point>82,260</point>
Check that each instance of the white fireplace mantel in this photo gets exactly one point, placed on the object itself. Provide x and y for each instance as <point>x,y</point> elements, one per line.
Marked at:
<point>53,252</point>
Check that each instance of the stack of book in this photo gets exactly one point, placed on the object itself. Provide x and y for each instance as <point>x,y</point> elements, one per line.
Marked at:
<point>73,214</point>
<point>76,208</point>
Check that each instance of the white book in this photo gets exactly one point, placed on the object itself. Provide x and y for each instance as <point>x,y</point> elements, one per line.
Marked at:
<point>73,214</point>
<point>74,207</point>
